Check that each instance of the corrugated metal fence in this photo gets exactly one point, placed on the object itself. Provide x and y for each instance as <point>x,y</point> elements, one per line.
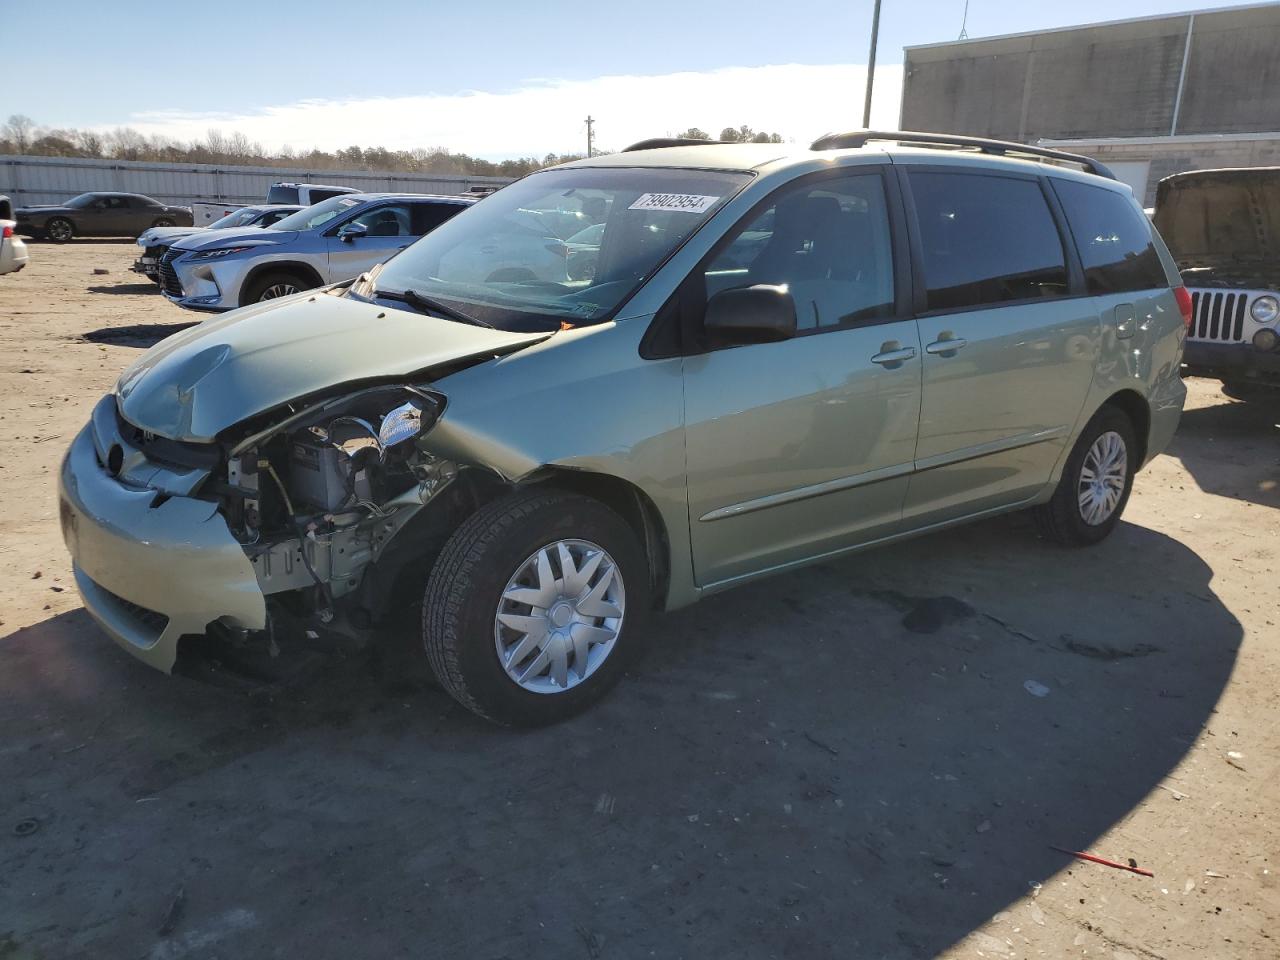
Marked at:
<point>31,180</point>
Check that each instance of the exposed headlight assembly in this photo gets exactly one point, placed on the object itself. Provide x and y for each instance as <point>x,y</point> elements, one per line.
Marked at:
<point>1264,309</point>
<point>216,254</point>
<point>403,423</point>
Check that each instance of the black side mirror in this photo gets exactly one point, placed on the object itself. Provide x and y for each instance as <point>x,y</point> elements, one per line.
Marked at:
<point>350,231</point>
<point>762,313</point>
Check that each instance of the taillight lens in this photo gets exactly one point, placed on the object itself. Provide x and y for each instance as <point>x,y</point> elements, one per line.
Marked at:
<point>1184,304</point>
<point>7,232</point>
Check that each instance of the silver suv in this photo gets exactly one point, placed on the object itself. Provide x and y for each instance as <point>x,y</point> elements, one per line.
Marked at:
<point>334,240</point>
<point>777,358</point>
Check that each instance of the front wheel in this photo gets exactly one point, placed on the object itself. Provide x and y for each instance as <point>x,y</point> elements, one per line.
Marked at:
<point>530,612</point>
<point>59,230</point>
<point>1095,484</point>
<point>164,222</point>
<point>272,286</point>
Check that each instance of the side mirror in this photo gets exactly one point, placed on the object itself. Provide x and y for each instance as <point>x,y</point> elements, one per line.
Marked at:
<point>349,232</point>
<point>758,314</point>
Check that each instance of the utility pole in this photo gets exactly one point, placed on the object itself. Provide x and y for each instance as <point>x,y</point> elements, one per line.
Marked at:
<point>591,136</point>
<point>871,66</point>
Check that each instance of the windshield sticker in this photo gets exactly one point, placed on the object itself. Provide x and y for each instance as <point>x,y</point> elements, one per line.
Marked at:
<point>674,202</point>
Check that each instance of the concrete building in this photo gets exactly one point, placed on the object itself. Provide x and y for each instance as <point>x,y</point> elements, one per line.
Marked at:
<point>1150,97</point>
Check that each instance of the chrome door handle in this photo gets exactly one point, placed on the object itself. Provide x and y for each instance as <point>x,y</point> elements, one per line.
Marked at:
<point>946,348</point>
<point>893,357</point>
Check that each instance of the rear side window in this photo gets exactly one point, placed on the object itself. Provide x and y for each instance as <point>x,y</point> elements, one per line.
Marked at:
<point>1113,238</point>
<point>317,195</point>
<point>986,240</point>
<point>428,216</point>
<point>283,193</point>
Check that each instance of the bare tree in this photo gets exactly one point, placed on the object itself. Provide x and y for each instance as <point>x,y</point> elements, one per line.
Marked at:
<point>19,130</point>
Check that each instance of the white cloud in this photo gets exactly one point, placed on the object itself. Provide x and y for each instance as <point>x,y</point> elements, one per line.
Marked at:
<point>796,100</point>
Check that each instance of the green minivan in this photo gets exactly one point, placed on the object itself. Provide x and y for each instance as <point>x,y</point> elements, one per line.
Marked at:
<point>762,358</point>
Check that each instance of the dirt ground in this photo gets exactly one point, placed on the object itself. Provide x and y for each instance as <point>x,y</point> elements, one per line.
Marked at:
<point>870,758</point>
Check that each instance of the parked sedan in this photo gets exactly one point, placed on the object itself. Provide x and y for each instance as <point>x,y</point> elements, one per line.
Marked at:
<point>99,215</point>
<point>333,240</point>
<point>155,243</point>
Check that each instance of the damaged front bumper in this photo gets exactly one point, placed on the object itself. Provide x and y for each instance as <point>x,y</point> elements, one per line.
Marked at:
<point>151,568</point>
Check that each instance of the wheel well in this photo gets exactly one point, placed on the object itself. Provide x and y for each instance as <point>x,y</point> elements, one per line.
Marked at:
<point>1134,406</point>
<point>302,271</point>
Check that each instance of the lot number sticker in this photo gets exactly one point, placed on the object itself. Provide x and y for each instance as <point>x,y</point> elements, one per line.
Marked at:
<point>674,202</point>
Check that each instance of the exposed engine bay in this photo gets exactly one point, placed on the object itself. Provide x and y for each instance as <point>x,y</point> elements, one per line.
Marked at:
<point>316,497</point>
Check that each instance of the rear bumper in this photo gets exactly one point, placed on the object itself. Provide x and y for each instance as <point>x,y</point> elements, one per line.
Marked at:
<point>150,574</point>
<point>13,255</point>
<point>1230,361</point>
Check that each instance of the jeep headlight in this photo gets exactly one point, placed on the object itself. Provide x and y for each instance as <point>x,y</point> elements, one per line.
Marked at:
<point>1265,309</point>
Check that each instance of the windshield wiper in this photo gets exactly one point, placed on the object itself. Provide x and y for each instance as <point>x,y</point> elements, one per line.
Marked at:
<point>427,304</point>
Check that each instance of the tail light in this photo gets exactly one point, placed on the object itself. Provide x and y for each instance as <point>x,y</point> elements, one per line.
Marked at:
<point>1184,304</point>
<point>7,232</point>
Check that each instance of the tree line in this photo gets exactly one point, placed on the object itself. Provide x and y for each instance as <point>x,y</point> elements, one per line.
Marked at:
<point>22,135</point>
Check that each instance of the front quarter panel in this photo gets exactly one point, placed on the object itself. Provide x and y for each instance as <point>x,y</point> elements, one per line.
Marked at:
<point>580,400</point>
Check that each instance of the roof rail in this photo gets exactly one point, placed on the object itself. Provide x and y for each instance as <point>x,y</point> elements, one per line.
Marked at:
<point>655,143</point>
<point>859,138</point>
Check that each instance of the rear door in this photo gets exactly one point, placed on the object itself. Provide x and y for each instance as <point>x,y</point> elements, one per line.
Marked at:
<point>801,448</point>
<point>1010,339</point>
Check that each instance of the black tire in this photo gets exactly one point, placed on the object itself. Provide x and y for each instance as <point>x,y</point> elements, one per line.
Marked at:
<point>59,230</point>
<point>1061,519</point>
<point>466,584</point>
<point>164,222</point>
<point>262,286</point>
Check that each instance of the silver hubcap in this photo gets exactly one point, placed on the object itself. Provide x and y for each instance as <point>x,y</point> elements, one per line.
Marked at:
<point>278,290</point>
<point>1102,478</point>
<point>559,616</point>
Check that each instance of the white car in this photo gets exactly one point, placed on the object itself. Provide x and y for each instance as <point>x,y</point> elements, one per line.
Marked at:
<point>13,252</point>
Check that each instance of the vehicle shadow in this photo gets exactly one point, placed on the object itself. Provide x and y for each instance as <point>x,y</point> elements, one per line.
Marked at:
<point>142,335</point>
<point>1230,448</point>
<point>845,761</point>
<point>134,289</point>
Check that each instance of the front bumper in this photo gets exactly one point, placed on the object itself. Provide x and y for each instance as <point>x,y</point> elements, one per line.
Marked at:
<point>1230,361</point>
<point>149,569</point>
<point>209,286</point>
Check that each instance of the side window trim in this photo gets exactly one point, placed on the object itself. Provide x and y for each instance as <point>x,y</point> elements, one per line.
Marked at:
<point>684,308</point>
<point>919,288</point>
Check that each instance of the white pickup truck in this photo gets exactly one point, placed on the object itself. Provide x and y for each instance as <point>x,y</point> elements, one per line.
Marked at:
<point>302,194</point>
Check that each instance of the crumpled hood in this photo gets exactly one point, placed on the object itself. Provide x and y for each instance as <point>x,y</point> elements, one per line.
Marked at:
<point>242,236</point>
<point>1239,273</point>
<point>203,380</point>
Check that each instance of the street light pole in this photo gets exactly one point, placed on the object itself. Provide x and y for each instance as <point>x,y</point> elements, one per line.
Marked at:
<point>590,135</point>
<point>871,66</point>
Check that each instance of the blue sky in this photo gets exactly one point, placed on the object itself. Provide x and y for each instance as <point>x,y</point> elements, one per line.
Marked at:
<point>185,67</point>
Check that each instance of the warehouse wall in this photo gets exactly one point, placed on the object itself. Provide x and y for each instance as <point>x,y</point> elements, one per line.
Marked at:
<point>55,179</point>
<point>1106,80</point>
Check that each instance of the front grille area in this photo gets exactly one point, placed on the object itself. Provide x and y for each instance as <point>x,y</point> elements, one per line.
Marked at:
<point>168,276</point>
<point>157,251</point>
<point>149,620</point>
<point>1218,315</point>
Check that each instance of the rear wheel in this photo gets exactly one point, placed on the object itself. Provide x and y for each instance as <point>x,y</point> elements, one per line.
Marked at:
<point>272,286</point>
<point>530,612</point>
<point>59,230</point>
<point>1095,484</point>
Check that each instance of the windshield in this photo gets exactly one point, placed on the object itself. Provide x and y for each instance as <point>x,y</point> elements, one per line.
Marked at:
<point>1220,215</point>
<point>309,218</point>
<point>237,218</point>
<point>81,201</point>
<point>506,261</point>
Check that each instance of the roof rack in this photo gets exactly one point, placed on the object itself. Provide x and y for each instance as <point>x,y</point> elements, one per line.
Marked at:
<point>655,143</point>
<point>1000,148</point>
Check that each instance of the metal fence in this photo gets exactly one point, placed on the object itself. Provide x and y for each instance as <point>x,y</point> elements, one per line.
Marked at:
<point>30,180</point>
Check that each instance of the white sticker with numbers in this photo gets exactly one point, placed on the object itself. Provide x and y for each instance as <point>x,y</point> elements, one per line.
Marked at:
<point>674,202</point>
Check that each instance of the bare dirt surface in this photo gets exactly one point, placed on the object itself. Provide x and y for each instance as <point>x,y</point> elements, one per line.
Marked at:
<point>871,758</point>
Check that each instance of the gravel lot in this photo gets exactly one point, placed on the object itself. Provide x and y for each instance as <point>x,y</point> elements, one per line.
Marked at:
<point>843,762</point>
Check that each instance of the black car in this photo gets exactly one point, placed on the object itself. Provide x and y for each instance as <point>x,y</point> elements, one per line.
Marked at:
<point>99,215</point>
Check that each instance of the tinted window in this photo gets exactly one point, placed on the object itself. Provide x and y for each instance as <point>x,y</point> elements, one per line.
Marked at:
<point>1113,238</point>
<point>986,240</point>
<point>428,216</point>
<point>389,220</point>
<point>283,193</point>
<point>828,241</point>
<point>318,195</point>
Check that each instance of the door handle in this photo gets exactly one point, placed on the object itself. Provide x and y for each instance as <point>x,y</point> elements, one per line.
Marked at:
<point>892,355</point>
<point>1126,321</point>
<point>946,346</point>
